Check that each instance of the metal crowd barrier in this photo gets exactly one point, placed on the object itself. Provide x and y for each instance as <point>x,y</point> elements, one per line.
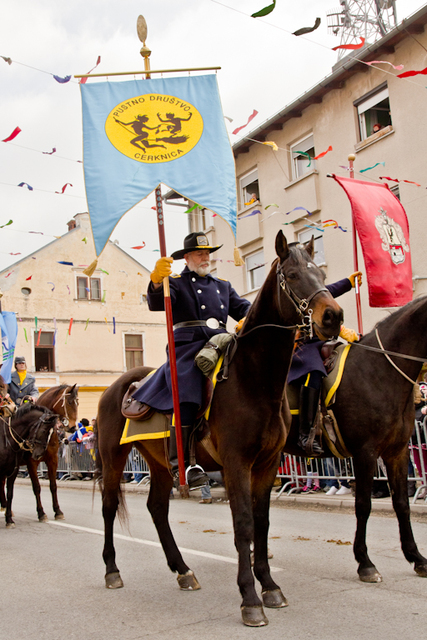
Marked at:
<point>75,460</point>
<point>295,471</point>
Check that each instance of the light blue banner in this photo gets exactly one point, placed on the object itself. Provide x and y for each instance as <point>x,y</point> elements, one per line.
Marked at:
<point>9,333</point>
<point>140,133</point>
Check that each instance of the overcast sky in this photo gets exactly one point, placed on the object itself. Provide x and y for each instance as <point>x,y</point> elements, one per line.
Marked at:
<point>263,67</point>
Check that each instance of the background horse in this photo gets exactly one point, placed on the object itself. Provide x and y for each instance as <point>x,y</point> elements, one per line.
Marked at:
<point>246,423</point>
<point>63,401</point>
<point>27,432</point>
<point>374,409</point>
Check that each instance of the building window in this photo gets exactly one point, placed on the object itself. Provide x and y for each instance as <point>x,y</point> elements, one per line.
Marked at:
<point>88,288</point>
<point>373,111</point>
<point>248,189</point>
<point>255,270</point>
<point>302,153</point>
<point>395,191</point>
<point>44,350</point>
<point>319,253</point>
<point>134,351</point>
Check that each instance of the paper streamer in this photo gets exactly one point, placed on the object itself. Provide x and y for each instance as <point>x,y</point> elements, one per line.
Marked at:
<point>141,246</point>
<point>398,67</point>
<point>10,273</point>
<point>25,184</point>
<point>62,80</point>
<point>252,213</point>
<point>307,155</point>
<point>300,32</point>
<point>6,225</point>
<point>87,322</point>
<point>70,264</point>
<point>265,11</point>
<point>25,334</point>
<point>8,60</point>
<point>271,144</point>
<point>321,155</point>
<point>84,80</point>
<point>195,206</point>
<point>53,289</point>
<point>103,296</point>
<point>106,322</point>
<point>103,271</point>
<point>114,325</point>
<point>64,187</point>
<point>373,167</point>
<point>387,178</point>
<point>251,117</point>
<point>35,322</point>
<point>298,209</point>
<point>38,337</point>
<point>69,328</point>
<point>12,135</point>
<point>271,205</point>
<point>409,74</point>
<point>351,46</point>
<point>68,289</point>
<point>49,153</point>
<point>29,278</point>
<point>55,332</point>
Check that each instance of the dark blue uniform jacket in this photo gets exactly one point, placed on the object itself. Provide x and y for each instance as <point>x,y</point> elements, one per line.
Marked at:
<point>307,356</point>
<point>193,297</point>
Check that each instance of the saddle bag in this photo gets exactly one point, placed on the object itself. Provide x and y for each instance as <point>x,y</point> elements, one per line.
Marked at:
<point>133,409</point>
<point>208,356</point>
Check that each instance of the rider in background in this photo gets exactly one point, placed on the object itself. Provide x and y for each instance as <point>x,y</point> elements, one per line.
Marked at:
<point>307,370</point>
<point>22,384</point>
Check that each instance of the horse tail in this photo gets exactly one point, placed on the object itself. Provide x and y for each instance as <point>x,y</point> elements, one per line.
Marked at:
<point>122,512</point>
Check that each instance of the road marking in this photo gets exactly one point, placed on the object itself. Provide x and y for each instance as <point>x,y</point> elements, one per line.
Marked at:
<point>150,543</point>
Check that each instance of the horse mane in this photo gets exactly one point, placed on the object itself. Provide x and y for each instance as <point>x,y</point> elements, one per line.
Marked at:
<point>401,315</point>
<point>27,407</point>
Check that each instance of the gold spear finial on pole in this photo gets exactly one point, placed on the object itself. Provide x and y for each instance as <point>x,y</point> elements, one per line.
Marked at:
<point>141,28</point>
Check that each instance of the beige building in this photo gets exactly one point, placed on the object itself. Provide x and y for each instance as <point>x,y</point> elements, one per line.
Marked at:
<point>78,329</point>
<point>339,112</point>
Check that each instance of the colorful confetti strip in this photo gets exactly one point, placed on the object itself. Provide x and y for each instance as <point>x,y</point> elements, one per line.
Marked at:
<point>321,155</point>
<point>251,117</point>
<point>350,46</point>
<point>301,32</point>
<point>62,80</point>
<point>373,167</point>
<point>12,135</point>
<point>25,184</point>
<point>64,187</point>
<point>84,80</point>
<point>265,11</point>
<point>409,74</point>
<point>398,67</point>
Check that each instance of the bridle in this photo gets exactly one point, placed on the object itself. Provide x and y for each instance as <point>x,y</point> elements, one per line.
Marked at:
<point>302,305</point>
<point>65,419</point>
<point>28,444</point>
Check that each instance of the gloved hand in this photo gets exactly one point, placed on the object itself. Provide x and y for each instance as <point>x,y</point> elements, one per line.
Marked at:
<point>348,334</point>
<point>353,276</point>
<point>239,325</point>
<point>161,270</point>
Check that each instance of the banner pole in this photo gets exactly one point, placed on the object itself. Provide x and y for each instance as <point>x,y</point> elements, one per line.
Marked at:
<point>351,159</point>
<point>183,487</point>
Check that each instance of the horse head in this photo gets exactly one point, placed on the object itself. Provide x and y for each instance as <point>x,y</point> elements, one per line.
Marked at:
<point>34,425</point>
<point>70,408</point>
<point>302,282</point>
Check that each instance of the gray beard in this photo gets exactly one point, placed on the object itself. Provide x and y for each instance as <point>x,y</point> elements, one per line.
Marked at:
<point>202,271</point>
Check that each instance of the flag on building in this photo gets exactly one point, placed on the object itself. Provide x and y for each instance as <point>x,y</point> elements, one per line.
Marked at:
<point>140,133</point>
<point>9,333</point>
<point>382,227</point>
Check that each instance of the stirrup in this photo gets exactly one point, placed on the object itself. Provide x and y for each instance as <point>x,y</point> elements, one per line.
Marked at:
<point>312,450</point>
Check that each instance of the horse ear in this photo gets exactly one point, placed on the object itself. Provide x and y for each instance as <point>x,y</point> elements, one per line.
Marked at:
<point>282,248</point>
<point>309,247</point>
<point>73,389</point>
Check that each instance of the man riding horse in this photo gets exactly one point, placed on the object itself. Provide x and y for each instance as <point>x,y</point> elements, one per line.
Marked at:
<point>201,304</point>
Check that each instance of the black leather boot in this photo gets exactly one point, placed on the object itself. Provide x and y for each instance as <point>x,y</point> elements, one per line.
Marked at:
<point>308,407</point>
<point>195,476</point>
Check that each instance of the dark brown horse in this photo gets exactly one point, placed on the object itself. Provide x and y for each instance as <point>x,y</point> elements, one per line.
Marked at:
<point>27,432</point>
<point>375,412</point>
<point>246,424</point>
<point>62,400</point>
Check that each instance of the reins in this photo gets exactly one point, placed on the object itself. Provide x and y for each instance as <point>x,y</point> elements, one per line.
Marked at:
<point>65,420</point>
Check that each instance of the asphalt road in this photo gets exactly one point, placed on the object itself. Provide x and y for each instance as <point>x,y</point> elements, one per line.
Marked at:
<point>52,576</point>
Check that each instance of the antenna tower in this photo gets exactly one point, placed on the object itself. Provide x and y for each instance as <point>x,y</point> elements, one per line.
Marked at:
<point>370,19</point>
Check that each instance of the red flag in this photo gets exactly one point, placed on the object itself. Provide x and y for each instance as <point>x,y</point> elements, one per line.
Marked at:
<point>383,231</point>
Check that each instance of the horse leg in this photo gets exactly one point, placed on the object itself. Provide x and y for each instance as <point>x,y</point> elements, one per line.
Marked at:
<point>397,472</point>
<point>9,497</point>
<point>112,469</point>
<point>262,483</point>
<point>32,466</point>
<point>158,506</point>
<point>51,460</point>
<point>364,466</point>
<point>239,493</point>
<point>2,495</point>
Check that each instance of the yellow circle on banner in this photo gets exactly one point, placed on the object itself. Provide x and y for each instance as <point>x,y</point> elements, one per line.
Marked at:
<point>154,128</point>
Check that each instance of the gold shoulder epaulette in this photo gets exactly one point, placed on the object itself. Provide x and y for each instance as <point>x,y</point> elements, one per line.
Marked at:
<point>223,279</point>
<point>175,275</point>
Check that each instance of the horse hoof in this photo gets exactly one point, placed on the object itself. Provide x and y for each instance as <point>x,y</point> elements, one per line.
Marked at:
<point>254,616</point>
<point>2,508</point>
<point>370,575</point>
<point>113,580</point>
<point>421,570</point>
<point>59,516</point>
<point>44,518</point>
<point>274,599</point>
<point>188,581</point>
<point>10,525</point>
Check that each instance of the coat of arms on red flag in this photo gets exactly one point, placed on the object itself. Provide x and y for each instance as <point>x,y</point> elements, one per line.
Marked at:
<point>382,227</point>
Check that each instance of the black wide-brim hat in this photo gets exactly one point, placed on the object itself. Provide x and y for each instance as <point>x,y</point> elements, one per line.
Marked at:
<point>194,242</point>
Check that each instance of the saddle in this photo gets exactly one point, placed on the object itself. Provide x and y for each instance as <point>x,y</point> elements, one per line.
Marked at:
<point>133,409</point>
